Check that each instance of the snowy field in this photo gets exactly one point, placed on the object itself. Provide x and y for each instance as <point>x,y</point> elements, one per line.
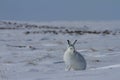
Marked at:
<point>34,51</point>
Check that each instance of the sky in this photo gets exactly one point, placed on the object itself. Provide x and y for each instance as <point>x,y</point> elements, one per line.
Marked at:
<point>60,10</point>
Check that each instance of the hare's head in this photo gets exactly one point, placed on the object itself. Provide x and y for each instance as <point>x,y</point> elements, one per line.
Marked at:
<point>71,45</point>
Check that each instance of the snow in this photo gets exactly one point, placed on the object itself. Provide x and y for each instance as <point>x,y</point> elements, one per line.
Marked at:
<point>39,56</point>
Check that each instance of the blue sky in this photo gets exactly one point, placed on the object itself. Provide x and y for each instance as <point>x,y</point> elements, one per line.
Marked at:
<point>58,10</point>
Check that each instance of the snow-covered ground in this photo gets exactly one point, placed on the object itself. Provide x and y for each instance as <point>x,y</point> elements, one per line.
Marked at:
<point>34,51</point>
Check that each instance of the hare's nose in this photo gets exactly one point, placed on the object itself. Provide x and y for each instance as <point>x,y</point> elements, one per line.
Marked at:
<point>71,48</point>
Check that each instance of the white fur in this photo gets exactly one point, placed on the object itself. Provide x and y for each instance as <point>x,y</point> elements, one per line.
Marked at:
<point>73,59</point>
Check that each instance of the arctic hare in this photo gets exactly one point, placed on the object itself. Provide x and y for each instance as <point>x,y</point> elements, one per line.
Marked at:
<point>73,59</point>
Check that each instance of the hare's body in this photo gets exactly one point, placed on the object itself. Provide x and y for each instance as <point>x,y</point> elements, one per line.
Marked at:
<point>73,59</point>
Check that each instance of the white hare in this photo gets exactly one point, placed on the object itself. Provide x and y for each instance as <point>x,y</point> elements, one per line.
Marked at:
<point>73,59</point>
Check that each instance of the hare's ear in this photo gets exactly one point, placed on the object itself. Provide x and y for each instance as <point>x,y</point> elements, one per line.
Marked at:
<point>68,42</point>
<point>74,42</point>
